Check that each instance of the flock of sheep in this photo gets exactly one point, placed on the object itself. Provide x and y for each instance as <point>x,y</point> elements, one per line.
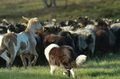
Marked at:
<point>81,38</point>
<point>92,35</point>
<point>104,33</point>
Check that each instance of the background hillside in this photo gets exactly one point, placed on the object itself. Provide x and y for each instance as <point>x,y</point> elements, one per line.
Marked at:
<point>12,10</point>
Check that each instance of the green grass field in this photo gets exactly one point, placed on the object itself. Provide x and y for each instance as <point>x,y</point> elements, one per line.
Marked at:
<point>13,10</point>
<point>107,67</point>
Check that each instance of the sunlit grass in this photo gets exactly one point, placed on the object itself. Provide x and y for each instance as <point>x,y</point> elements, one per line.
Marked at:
<point>13,10</point>
<point>106,67</point>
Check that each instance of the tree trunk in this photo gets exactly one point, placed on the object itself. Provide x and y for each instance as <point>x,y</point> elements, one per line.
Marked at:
<point>45,3</point>
<point>66,3</point>
<point>52,3</point>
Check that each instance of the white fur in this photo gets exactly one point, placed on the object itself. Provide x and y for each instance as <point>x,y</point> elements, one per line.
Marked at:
<point>47,50</point>
<point>91,46</point>
<point>4,55</point>
<point>22,38</point>
<point>1,36</point>
<point>90,26</point>
<point>52,69</point>
<point>112,38</point>
<point>84,33</point>
<point>73,73</point>
<point>33,25</point>
<point>66,28</point>
<point>81,59</point>
<point>115,27</point>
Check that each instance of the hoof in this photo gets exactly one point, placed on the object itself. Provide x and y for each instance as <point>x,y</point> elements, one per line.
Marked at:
<point>75,77</point>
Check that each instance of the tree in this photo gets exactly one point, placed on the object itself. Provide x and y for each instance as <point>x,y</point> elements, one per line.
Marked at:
<point>52,3</point>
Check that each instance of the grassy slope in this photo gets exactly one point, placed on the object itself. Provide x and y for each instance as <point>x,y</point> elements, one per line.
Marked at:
<point>94,9</point>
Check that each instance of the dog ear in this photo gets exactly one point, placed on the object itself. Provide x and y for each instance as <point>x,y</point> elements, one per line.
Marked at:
<point>53,41</point>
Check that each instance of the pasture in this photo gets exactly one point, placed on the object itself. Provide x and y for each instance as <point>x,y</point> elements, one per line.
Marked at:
<point>13,10</point>
<point>107,67</point>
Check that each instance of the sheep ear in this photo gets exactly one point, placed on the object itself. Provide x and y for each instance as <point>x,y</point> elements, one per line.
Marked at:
<point>36,19</point>
<point>25,18</point>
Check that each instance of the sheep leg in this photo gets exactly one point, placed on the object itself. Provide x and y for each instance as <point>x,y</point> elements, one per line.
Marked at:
<point>35,59</point>
<point>29,61</point>
<point>12,58</point>
<point>5,57</point>
<point>23,61</point>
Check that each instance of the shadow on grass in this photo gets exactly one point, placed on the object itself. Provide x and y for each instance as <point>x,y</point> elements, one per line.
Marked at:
<point>106,66</point>
<point>8,75</point>
<point>107,61</point>
<point>101,73</point>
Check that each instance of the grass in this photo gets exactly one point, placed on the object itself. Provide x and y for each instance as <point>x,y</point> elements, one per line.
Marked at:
<point>13,10</point>
<point>107,67</point>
